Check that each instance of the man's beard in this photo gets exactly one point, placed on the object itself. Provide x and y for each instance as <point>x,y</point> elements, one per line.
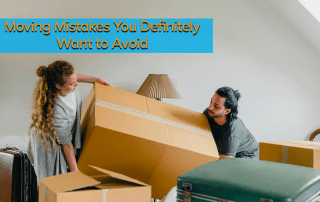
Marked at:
<point>214,116</point>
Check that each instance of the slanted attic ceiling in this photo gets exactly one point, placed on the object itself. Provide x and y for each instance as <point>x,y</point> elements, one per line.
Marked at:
<point>300,18</point>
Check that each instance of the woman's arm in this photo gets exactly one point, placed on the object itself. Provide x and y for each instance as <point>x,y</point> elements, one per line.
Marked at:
<point>70,156</point>
<point>91,79</point>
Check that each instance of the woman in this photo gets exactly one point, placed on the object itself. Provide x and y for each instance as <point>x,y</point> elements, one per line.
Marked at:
<point>55,127</point>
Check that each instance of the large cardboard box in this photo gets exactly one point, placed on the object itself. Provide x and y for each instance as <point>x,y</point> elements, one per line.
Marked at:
<point>145,139</point>
<point>304,153</point>
<point>106,187</point>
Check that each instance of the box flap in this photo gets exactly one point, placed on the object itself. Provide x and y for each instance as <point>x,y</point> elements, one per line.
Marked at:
<point>118,176</point>
<point>69,181</point>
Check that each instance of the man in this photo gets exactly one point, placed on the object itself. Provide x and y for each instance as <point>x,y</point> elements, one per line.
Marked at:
<point>232,138</point>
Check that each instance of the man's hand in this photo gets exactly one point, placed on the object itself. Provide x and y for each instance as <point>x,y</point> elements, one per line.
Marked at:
<point>225,156</point>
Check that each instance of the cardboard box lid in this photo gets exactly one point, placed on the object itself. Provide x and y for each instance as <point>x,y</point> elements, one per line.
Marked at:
<point>68,181</point>
<point>297,144</point>
<point>77,180</point>
<point>118,176</point>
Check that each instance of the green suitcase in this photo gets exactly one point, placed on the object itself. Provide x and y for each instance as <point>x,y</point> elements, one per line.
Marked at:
<point>246,180</point>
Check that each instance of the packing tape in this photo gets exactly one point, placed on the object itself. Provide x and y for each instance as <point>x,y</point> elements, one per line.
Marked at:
<point>104,195</point>
<point>285,153</point>
<point>47,194</point>
<point>150,117</point>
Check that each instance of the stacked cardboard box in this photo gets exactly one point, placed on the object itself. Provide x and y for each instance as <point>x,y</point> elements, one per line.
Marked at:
<point>304,153</point>
<point>145,139</point>
<point>78,187</point>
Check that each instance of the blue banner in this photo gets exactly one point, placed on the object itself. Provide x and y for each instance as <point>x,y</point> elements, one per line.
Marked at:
<point>106,35</point>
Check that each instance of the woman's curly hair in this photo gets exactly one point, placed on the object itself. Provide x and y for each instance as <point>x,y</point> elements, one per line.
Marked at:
<point>44,98</point>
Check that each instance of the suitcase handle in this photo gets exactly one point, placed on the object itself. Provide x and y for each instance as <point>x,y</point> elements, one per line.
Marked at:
<point>8,148</point>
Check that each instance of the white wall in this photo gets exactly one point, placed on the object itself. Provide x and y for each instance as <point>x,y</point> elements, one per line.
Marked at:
<point>255,50</point>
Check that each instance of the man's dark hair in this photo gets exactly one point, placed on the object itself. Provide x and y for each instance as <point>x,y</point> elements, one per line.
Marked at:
<point>232,98</point>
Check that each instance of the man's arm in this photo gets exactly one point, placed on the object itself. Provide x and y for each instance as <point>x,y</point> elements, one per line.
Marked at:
<point>225,156</point>
<point>229,147</point>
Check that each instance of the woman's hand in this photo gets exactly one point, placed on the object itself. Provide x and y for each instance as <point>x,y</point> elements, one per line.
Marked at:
<point>102,81</point>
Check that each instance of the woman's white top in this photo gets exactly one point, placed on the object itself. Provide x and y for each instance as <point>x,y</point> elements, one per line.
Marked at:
<point>70,103</point>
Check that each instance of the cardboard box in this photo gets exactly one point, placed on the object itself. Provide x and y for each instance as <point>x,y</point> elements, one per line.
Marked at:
<point>304,153</point>
<point>145,139</point>
<point>106,187</point>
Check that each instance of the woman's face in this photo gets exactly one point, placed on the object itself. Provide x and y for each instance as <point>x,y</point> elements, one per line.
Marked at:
<point>69,86</point>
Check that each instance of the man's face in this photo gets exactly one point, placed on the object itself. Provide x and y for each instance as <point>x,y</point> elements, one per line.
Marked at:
<point>216,107</point>
<point>70,85</point>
